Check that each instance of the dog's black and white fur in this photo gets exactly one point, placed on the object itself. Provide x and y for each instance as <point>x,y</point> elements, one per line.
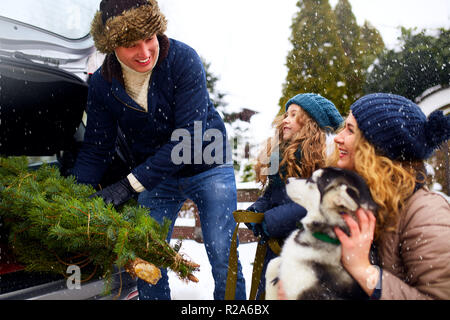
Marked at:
<point>308,267</point>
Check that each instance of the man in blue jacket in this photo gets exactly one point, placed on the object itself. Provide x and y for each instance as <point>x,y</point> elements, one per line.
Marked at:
<point>153,89</point>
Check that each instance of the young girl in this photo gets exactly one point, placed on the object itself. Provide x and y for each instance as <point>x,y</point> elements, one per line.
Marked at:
<point>298,149</point>
<point>386,139</point>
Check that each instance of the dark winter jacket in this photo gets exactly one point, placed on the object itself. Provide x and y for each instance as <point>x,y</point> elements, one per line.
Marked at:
<point>177,99</point>
<point>281,214</point>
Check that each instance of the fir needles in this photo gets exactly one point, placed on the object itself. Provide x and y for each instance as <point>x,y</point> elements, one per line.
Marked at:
<point>53,224</point>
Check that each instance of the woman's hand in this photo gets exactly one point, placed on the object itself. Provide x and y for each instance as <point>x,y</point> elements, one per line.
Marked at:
<point>356,249</point>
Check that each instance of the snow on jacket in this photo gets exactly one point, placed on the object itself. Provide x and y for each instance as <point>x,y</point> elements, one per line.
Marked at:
<point>416,258</point>
<point>177,99</point>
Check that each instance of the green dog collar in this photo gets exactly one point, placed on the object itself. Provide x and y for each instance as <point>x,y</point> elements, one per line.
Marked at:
<point>321,236</point>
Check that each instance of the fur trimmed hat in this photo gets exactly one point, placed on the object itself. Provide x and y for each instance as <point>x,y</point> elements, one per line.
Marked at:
<point>322,110</point>
<point>119,23</point>
<point>398,128</point>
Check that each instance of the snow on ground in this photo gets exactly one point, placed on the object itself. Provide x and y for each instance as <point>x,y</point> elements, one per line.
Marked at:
<point>203,290</point>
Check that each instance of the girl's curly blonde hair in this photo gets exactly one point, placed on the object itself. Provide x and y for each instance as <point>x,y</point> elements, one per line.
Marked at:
<point>391,182</point>
<point>312,142</point>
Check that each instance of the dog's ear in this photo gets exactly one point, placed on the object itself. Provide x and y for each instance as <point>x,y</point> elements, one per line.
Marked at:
<point>357,187</point>
<point>353,193</point>
<point>360,191</point>
<point>372,206</point>
<point>341,197</point>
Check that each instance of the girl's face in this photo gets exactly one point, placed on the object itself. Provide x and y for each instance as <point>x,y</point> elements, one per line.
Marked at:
<point>345,141</point>
<point>141,56</point>
<point>292,121</point>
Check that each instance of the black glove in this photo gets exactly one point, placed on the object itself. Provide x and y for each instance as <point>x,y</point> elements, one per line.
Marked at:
<point>117,193</point>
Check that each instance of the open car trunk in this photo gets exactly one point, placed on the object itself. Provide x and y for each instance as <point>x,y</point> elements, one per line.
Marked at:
<point>41,108</point>
<point>43,96</point>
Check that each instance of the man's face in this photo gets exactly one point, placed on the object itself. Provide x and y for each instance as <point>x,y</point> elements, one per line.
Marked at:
<point>141,56</point>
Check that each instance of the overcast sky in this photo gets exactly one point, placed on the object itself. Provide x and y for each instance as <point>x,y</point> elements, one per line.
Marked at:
<point>247,41</point>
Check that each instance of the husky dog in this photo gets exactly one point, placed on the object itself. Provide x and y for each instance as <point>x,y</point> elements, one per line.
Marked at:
<point>310,262</point>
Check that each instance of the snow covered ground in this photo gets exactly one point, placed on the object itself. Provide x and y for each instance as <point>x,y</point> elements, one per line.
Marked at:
<point>196,252</point>
<point>203,290</point>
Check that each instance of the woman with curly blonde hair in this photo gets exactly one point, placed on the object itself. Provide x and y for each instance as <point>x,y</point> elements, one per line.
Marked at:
<point>297,149</point>
<point>386,139</point>
<point>391,181</point>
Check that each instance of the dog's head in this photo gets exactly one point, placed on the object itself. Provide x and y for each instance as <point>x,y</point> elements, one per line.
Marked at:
<point>328,194</point>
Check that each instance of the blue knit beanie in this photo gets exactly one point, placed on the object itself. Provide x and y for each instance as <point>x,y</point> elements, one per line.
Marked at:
<point>398,128</point>
<point>320,109</point>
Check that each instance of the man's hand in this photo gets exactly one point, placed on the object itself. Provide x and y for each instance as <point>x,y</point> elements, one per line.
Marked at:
<point>117,193</point>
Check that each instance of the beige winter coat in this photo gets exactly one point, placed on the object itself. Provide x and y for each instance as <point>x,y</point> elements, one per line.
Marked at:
<point>416,258</point>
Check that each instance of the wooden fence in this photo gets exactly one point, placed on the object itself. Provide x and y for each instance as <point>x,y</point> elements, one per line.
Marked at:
<point>195,232</point>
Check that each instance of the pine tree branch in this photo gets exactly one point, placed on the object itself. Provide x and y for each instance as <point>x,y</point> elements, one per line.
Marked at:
<point>52,220</point>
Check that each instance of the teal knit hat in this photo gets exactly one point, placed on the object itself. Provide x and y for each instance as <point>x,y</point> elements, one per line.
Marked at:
<point>320,109</point>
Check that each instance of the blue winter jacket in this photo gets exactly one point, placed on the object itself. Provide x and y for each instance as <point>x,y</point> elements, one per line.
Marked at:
<point>177,99</point>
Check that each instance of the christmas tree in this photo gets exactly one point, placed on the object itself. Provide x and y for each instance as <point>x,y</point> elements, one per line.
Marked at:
<point>361,44</point>
<point>53,223</point>
<point>330,53</point>
<point>317,60</point>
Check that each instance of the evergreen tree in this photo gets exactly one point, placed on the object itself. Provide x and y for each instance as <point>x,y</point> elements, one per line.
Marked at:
<point>317,61</point>
<point>361,45</point>
<point>331,53</point>
<point>347,28</point>
<point>422,63</point>
<point>216,96</point>
<point>248,173</point>
<point>372,45</point>
<point>53,223</point>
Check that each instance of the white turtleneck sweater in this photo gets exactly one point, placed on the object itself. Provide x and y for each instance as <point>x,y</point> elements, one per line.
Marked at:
<point>136,85</point>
